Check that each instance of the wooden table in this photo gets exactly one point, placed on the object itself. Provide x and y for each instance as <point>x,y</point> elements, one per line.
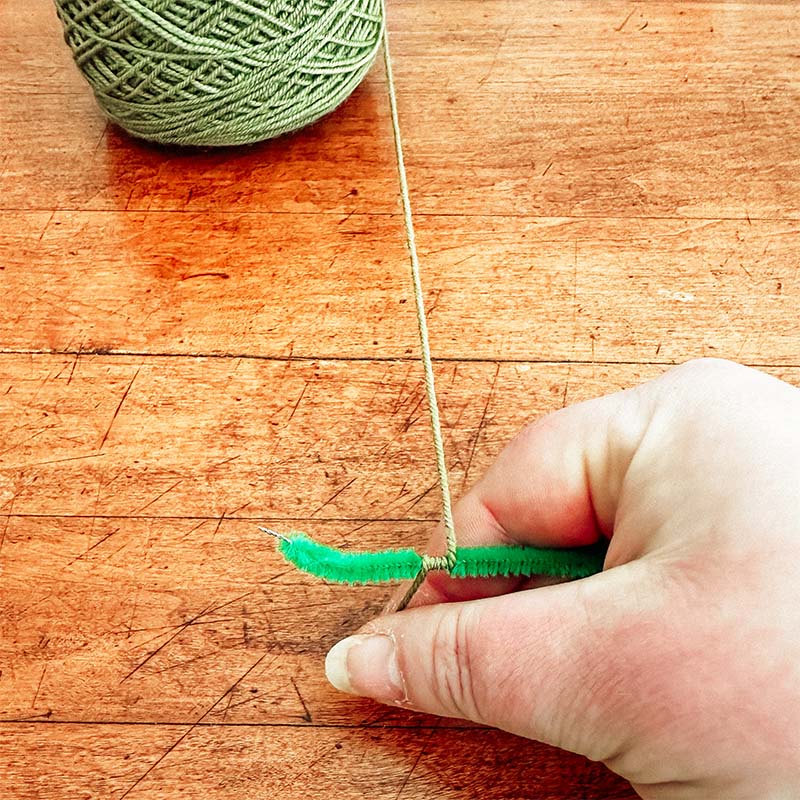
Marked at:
<point>196,342</point>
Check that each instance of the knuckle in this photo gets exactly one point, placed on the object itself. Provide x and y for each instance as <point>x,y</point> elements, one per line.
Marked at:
<point>530,436</point>
<point>710,369</point>
<point>686,392</point>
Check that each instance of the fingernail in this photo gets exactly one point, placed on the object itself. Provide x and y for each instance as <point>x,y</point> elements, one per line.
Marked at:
<point>366,665</point>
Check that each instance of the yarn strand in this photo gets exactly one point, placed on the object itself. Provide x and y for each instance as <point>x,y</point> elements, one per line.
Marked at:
<point>447,561</point>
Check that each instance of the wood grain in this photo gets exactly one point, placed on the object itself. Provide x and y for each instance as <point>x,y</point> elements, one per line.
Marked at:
<point>660,291</point>
<point>197,341</point>
<point>601,109</point>
<point>130,437</point>
<point>555,109</point>
<point>55,761</point>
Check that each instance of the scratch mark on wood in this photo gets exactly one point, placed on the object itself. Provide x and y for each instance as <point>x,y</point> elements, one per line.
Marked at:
<point>341,222</point>
<point>46,226</point>
<point>96,544</point>
<point>74,363</point>
<point>38,687</point>
<point>400,399</point>
<point>60,460</point>
<point>223,275</point>
<point>500,43</point>
<point>273,636</point>
<point>225,460</point>
<point>192,727</point>
<point>481,423</point>
<point>334,496</point>
<point>124,396</point>
<point>180,629</point>
<point>219,522</point>
<point>251,699</point>
<point>100,140</point>
<point>306,713</point>
<point>299,400</point>
<point>619,28</point>
<point>135,606</point>
<point>278,575</point>
<point>199,525</point>
<point>411,419</point>
<point>7,522</point>
<point>157,497</point>
<point>416,761</point>
<point>421,496</point>
<point>187,661</point>
<point>566,387</point>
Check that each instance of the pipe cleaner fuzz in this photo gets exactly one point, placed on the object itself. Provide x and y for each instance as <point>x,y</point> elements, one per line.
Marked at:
<point>360,567</point>
<point>220,72</point>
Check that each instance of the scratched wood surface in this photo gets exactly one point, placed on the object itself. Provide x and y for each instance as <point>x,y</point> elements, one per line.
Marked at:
<point>193,342</point>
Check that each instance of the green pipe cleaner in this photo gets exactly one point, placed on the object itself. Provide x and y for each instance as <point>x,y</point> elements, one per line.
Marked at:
<point>383,566</point>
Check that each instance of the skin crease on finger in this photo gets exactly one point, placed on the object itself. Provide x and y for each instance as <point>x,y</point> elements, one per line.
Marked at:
<point>657,679</point>
<point>686,679</point>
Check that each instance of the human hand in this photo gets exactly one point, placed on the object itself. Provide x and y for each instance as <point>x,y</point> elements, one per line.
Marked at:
<point>678,666</point>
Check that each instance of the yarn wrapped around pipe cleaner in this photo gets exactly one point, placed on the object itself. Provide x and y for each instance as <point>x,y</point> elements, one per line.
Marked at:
<point>340,566</point>
<point>221,72</point>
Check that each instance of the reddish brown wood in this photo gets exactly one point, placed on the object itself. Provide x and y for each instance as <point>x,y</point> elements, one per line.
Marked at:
<point>255,761</point>
<point>193,342</point>
<point>499,287</point>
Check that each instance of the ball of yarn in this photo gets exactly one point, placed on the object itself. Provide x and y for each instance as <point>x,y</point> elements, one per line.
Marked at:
<point>221,72</point>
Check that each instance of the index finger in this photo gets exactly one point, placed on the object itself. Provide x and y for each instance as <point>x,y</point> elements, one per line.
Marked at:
<point>556,484</point>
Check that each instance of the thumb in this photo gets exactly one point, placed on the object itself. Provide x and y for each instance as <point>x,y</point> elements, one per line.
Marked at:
<point>542,663</point>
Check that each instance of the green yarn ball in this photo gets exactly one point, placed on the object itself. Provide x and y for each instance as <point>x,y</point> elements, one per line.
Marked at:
<point>221,72</point>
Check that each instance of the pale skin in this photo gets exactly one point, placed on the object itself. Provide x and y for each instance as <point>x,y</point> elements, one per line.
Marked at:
<point>679,665</point>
